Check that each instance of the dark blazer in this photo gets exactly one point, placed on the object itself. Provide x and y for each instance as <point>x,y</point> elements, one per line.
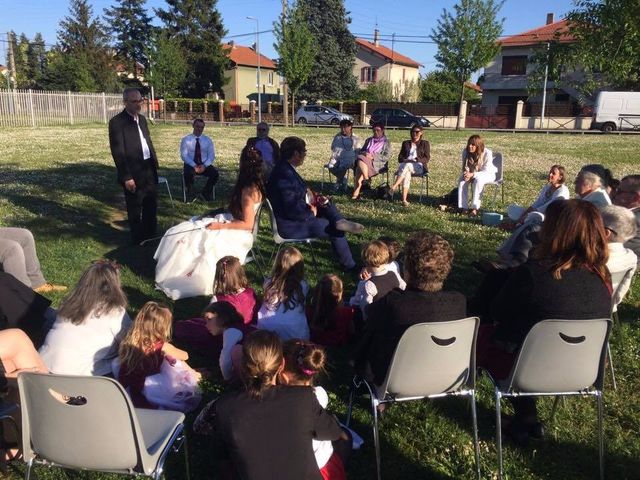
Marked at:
<point>126,148</point>
<point>287,193</point>
<point>276,148</point>
<point>423,152</point>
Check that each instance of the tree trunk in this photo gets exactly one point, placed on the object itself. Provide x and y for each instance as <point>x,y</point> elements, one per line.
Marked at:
<point>460,106</point>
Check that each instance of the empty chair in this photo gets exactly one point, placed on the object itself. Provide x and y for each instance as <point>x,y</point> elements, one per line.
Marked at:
<point>558,357</point>
<point>499,181</point>
<point>166,182</point>
<point>89,423</point>
<point>432,360</point>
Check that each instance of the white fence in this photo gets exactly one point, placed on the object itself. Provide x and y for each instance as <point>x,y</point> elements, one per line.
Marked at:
<point>31,108</point>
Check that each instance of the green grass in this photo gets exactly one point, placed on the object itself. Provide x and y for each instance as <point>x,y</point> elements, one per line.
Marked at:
<point>60,183</point>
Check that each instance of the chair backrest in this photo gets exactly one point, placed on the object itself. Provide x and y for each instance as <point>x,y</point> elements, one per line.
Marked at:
<point>497,162</point>
<point>101,432</point>
<point>256,224</point>
<point>617,280</point>
<point>433,358</point>
<point>274,223</point>
<point>561,356</point>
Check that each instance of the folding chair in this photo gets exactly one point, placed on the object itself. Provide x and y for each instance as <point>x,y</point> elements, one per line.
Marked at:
<point>425,185</point>
<point>326,170</point>
<point>254,253</point>
<point>89,423</point>
<point>280,241</point>
<point>619,281</point>
<point>559,358</point>
<point>166,182</point>
<point>195,179</point>
<point>499,181</point>
<point>432,360</point>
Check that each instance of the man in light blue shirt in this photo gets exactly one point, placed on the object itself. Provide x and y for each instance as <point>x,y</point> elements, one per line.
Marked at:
<point>198,153</point>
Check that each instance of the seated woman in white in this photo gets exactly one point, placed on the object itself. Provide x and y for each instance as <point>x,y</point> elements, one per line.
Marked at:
<point>91,322</point>
<point>553,190</point>
<point>188,253</point>
<point>477,170</point>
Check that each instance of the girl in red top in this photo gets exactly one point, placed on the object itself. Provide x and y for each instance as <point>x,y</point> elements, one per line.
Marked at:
<point>144,348</point>
<point>330,322</point>
<point>231,285</point>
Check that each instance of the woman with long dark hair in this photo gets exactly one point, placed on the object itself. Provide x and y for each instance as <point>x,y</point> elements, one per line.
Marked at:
<point>188,253</point>
<point>565,278</point>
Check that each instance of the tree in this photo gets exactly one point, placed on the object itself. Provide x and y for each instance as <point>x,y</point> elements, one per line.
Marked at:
<point>333,78</point>
<point>83,38</point>
<point>379,92</point>
<point>197,25</point>
<point>36,61</point>
<point>131,26</point>
<point>168,67</point>
<point>605,53</point>
<point>296,49</point>
<point>467,40</point>
<point>440,86</point>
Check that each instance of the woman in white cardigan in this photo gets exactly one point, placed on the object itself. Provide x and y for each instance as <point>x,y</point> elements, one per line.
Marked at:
<point>477,169</point>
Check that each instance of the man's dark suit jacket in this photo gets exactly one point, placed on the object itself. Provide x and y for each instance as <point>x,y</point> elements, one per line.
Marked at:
<point>251,142</point>
<point>287,193</point>
<point>126,148</point>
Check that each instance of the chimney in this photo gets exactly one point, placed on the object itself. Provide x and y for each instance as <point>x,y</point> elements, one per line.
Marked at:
<point>376,37</point>
<point>549,18</point>
<point>232,43</point>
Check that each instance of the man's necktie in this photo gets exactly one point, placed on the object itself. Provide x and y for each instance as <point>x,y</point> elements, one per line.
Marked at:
<point>198,155</point>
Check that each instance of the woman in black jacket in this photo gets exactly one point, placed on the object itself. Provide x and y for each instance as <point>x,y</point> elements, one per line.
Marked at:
<point>413,159</point>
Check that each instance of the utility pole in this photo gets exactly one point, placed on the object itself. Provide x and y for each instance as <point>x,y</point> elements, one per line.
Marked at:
<point>285,88</point>
<point>12,60</point>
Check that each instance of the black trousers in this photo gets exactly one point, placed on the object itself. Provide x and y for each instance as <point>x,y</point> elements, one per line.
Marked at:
<point>212,178</point>
<point>142,207</point>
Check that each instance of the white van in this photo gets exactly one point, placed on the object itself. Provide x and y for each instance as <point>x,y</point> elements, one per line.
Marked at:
<point>616,111</point>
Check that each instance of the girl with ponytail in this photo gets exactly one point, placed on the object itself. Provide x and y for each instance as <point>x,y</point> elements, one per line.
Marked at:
<point>266,429</point>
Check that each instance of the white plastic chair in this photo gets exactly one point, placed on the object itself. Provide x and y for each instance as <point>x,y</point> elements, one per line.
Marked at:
<point>166,182</point>
<point>499,181</point>
<point>280,241</point>
<point>618,281</point>
<point>559,358</point>
<point>432,360</point>
<point>254,253</point>
<point>326,170</point>
<point>195,179</point>
<point>89,423</point>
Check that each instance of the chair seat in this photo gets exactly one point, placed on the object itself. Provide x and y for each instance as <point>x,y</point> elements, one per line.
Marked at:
<point>157,427</point>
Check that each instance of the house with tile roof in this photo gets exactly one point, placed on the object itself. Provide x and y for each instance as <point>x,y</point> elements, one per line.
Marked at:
<point>243,76</point>
<point>505,78</point>
<point>375,62</point>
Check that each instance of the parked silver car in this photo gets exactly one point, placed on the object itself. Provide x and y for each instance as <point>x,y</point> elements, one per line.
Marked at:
<point>319,114</point>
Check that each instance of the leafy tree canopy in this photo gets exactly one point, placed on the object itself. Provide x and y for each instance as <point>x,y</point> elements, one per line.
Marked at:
<point>332,78</point>
<point>466,39</point>
<point>440,86</point>
<point>198,27</point>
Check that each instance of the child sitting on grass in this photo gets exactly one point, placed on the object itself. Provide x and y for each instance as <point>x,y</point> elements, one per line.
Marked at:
<point>285,292</point>
<point>144,349</point>
<point>331,323</point>
<point>223,319</point>
<point>303,362</point>
<point>231,285</point>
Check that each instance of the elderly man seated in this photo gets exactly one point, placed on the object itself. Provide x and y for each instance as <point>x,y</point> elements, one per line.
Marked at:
<point>628,196</point>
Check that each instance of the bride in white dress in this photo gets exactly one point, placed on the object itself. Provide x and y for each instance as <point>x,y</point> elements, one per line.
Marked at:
<point>188,253</point>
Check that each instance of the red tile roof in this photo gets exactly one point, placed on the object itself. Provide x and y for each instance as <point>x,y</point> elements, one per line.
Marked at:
<point>241,55</point>
<point>387,53</point>
<point>554,31</point>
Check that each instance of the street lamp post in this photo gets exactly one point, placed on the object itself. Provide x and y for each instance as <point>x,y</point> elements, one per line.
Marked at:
<point>259,78</point>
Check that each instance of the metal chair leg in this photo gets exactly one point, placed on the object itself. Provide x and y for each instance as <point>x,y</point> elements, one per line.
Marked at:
<point>499,433</point>
<point>613,373</point>
<point>555,407</point>
<point>187,469</point>
<point>600,433</point>
<point>352,394</point>
<point>476,446</point>
<point>376,435</point>
<point>27,471</point>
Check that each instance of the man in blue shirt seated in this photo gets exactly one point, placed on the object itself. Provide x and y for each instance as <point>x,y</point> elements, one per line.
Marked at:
<point>198,153</point>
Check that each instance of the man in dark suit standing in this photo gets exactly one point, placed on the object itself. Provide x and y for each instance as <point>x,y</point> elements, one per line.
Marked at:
<point>137,165</point>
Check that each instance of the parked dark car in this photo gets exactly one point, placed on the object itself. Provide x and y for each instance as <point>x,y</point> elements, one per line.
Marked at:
<point>396,117</point>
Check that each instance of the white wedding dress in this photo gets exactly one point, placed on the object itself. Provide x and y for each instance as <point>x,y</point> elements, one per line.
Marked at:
<point>188,253</point>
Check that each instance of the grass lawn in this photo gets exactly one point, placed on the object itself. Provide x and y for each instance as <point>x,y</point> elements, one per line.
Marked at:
<point>59,182</point>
